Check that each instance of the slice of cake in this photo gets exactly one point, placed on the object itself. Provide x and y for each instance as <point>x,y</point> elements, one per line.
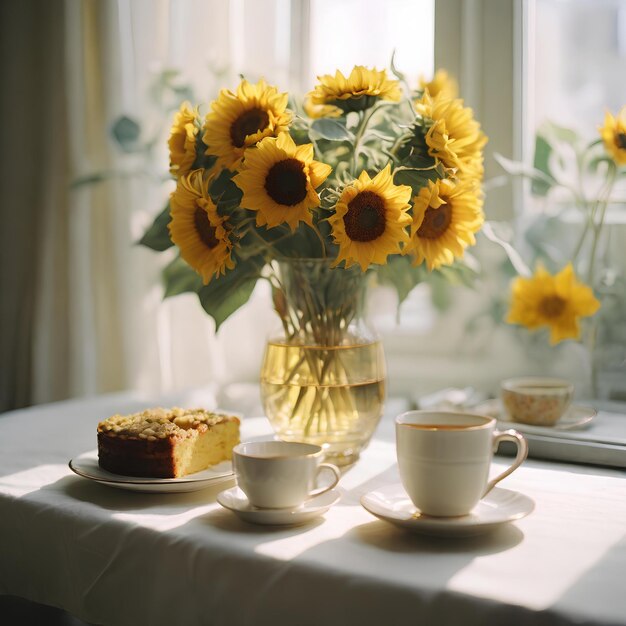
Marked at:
<point>166,443</point>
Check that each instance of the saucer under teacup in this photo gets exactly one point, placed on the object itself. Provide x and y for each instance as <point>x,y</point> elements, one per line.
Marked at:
<point>500,506</point>
<point>236,501</point>
<point>576,417</point>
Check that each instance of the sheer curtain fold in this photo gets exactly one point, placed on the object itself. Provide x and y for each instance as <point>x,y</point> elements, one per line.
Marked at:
<point>85,312</point>
<point>120,334</point>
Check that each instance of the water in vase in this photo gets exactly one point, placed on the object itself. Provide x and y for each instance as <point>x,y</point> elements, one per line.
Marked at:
<point>329,395</point>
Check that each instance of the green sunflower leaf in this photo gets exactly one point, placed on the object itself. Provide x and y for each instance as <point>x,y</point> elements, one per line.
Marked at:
<point>222,185</point>
<point>543,151</point>
<point>300,135</point>
<point>515,168</point>
<point>416,178</point>
<point>460,273</point>
<point>440,293</point>
<point>330,129</point>
<point>178,277</point>
<point>394,70</point>
<point>225,294</point>
<point>157,237</point>
<point>400,274</point>
<point>126,132</point>
<point>561,133</point>
<point>375,134</point>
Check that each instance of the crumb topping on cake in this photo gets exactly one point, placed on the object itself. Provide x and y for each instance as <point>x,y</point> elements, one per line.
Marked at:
<point>160,423</point>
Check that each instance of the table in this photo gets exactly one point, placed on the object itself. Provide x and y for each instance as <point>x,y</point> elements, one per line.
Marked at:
<point>117,557</point>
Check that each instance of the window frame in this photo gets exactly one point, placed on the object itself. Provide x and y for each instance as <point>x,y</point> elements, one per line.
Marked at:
<point>480,43</point>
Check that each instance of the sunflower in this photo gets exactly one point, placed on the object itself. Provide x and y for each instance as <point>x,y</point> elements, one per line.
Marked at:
<point>454,136</point>
<point>358,92</point>
<point>320,110</point>
<point>613,134</point>
<point>370,219</point>
<point>441,82</point>
<point>279,179</point>
<point>182,141</point>
<point>238,121</point>
<point>553,301</point>
<point>197,229</point>
<point>445,218</point>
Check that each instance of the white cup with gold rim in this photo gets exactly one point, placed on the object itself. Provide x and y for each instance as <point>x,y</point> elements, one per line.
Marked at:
<point>444,459</point>
<point>281,474</point>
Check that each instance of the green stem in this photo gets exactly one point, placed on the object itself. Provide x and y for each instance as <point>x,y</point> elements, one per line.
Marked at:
<point>358,136</point>
<point>321,239</point>
<point>600,207</point>
<point>266,245</point>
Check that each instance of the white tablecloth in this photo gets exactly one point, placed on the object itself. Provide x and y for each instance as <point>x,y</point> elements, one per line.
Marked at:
<point>117,557</point>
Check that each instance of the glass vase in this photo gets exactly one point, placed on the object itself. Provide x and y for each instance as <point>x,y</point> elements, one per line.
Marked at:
<point>605,339</point>
<point>323,374</point>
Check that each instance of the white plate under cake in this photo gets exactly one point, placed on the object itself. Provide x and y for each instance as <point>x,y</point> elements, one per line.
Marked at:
<point>86,466</point>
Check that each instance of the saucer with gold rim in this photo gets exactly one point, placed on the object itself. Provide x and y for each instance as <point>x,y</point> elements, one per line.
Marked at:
<point>500,506</point>
<point>235,500</point>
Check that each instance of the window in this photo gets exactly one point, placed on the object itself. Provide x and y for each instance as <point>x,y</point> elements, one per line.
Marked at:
<point>357,32</point>
<point>578,51</point>
<point>519,62</point>
<point>514,66</point>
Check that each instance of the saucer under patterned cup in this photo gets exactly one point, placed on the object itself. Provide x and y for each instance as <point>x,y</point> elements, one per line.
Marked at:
<point>576,417</point>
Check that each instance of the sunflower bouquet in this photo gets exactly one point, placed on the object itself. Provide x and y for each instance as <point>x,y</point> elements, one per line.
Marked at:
<point>366,173</point>
<point>366,178</point>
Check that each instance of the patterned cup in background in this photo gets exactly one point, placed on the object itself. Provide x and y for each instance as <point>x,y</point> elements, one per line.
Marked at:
<point>536,400</point>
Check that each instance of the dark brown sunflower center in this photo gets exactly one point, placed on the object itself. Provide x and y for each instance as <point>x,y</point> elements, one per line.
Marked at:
<point>436,222</point>
<point>248,123</point>
<point>365,219</point>
<point>620,140</point>
<point>205,231</point>
<point>552,306</point>
<point>285,183</point>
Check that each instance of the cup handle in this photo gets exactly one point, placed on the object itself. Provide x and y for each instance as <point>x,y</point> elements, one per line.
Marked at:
<point>336,474</point>
<point>522,453</point>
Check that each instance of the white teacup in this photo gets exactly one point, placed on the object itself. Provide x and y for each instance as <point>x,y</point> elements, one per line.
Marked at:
<point>444,459</point>
<point>280,474</point>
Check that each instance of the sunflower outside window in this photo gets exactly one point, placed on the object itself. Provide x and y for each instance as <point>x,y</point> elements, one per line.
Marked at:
<point>573,293</point>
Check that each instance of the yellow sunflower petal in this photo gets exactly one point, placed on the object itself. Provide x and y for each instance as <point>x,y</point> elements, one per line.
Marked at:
<point>242,119</point>
<point>197,229</point>
<point>454,136</point>
<point>279,181</point>
<point>445,217</point>
<point>555,302</point>
<point>613,134</point>
<point>359,91</point>
<point>441,83</point>
<point>370,220</point>
<point>182,140</point>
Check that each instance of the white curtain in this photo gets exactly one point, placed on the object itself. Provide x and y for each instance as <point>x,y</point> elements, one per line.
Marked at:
<point>101,324</point>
